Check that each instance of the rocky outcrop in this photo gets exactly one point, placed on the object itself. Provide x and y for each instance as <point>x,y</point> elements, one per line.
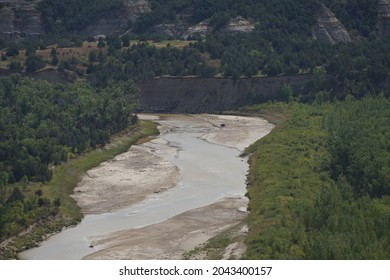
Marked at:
<point>240,25</point>
<point>201,29</point>
<point>329,29</point>
<point>236,25</point>
<point>20,19</point>
<point>166,30</point>
<point>199,95</point>
<point>384,18</point>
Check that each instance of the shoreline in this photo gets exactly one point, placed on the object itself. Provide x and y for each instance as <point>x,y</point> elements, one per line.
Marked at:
<point>68,174</point>
<point>172,238</point>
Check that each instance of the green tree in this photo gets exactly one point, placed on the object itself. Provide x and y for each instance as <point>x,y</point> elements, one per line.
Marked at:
<point>12,51</point>
<point>34,63</point>
<point>16,66</point>
<point>16,195</point>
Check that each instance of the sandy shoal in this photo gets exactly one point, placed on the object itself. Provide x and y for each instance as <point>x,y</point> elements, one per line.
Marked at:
<point>127,179</point>
<point>140,173</point>
<point>172,238</point>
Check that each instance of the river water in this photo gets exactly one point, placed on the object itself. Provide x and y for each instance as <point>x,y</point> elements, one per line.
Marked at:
<point>209,172</point>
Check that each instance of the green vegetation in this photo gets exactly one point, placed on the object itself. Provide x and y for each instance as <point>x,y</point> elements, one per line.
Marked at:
<point>144,61</point>
<point>42,127</point>
<point>304,199</point>
<point>272,13</point>
<point>59,210</point>
<point>45,124</point>
<point>214,248</point>
<point>358,15</point>
<point>62,17</point>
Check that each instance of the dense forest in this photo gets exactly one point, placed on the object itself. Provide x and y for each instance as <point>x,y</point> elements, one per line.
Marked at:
<point>43,125</point>
<point>319,184</point>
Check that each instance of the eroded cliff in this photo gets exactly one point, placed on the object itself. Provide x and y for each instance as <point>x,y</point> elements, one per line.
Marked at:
<point>384,18</point>
<point>199,95</point>
<point>20,19</point>
<point>329,29</point>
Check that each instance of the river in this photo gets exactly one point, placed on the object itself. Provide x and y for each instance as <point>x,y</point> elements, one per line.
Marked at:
<point>208,158</point>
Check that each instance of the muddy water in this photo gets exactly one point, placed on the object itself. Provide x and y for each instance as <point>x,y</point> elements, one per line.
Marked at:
<point>209,172</point>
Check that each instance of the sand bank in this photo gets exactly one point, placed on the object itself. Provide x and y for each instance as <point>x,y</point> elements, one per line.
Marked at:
<point>141,173</point>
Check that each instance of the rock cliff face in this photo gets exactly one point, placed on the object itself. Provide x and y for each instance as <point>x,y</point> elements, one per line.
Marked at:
<point>20,19</point>
<point>384,18</point>
<point>235,25</point>
<point>198,95</point>
<point>329,29</point>
<point>116,22</point>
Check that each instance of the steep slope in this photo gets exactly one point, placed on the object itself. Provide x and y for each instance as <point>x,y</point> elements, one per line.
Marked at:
<point>116,22</point>
<point>26,18</point>
<point>329,29</point>
<point>20,19</point>
<point>384,18</point>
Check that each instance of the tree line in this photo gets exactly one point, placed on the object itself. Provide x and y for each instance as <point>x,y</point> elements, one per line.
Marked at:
<point>145,61</point>
<point>43,124</point>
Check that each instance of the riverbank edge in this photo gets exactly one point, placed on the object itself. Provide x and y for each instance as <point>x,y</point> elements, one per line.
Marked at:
<point>64,181</point>
<point>218,246</point>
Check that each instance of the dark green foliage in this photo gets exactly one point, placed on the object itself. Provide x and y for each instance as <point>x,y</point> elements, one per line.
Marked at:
<point>57,202</point>
<point>34,63</point>
<point>101,43</point>
<point>16,195</point>
<point>360,15</point>
<point>282,43</point>
<point>42,124</point>
<point>125,41</point>
<point>359,142</point>
<point>340,226</point>
<point>281,12</point>
<point>318,184</point>
<point>63,16</point>
<point>92,56</point>
<point>30,50</point>
<point>12,51</point>
<point>15,66</point>
<point>144,61</point>
<point>3,57</point>
<point>54,59</point>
